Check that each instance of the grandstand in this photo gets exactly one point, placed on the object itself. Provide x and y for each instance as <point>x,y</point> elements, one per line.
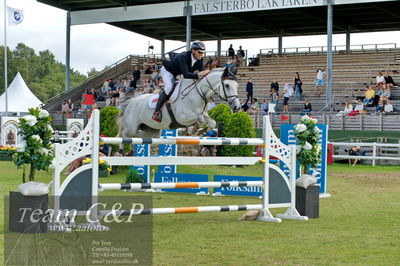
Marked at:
<point>351,71</point>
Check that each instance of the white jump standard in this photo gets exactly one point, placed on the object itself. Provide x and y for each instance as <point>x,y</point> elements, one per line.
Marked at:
<point>84,180</point>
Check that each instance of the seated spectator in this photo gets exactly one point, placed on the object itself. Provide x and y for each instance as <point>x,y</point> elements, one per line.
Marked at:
<point>385,92</point>
<point>380,107</point>
<point>228,63</point>
<point>354,151</point>
<point>348,107</point>
<point>369,95</point>
<point>380,79</point>
<point>243,106</point>
<point>307,107</point>
<point>255,106</point>
<point>264,107</point>
<point>209,63</point>
<point>155,75</point>
<point>389,81</point>
<point>388,107</point>
<point>105,88</point>
<point>111,84</point>
<point>215,62</point>
<point>359,107</point>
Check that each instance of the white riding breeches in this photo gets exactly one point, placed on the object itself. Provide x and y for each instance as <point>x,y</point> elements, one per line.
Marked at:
<point>168,80</point>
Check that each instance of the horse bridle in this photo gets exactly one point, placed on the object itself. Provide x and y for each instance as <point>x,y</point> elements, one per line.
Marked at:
<point>226,97</point>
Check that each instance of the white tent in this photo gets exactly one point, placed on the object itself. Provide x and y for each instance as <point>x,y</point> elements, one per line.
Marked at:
<point>20,97</point>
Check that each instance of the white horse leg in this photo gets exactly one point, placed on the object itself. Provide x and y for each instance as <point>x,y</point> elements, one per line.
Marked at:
<point>210,122</point>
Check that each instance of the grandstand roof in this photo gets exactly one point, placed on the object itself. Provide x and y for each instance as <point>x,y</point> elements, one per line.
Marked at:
<point>360,15</point>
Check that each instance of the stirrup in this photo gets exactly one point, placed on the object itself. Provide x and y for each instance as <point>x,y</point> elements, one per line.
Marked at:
<point>157,116</point>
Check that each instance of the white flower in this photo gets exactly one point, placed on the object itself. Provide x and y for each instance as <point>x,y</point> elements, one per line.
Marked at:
<point>301,128</point>
<point>53,163</point>
<point>30,119</point>
<point>298,149</point>
<point>317,130</point>
<point>314,120</point>
<point>37,137</point>
<point>21,147</point>
<point>305,117</point>
<point>50,128</point>
<point>307,146</point>
<point>319,147</point>
<point>43,113</point>
<point>44,151</point>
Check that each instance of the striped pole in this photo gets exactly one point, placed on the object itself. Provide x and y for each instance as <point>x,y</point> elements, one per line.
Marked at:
<point>129,186</point>
<point>183,141</point>
<point>182,210</point>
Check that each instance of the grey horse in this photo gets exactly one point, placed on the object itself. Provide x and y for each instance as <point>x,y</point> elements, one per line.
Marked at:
<point>135,120</point>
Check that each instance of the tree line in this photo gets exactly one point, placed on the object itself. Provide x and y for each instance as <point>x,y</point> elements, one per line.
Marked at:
<point>42,73</point>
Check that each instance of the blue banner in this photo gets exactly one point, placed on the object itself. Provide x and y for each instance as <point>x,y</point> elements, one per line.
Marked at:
<point>167,150</point>
<point>287,137</point>
<point>238,191</point>
<point>174,178</point>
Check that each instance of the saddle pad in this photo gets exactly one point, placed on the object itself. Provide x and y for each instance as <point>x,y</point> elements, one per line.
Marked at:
<point>153,101</point>
<point>175,94</point>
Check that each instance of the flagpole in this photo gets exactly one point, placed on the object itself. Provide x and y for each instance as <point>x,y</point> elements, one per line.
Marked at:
<point>5,54</point>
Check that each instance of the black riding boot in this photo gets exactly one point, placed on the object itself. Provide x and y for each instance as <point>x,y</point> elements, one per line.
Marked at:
<point>157,115</point>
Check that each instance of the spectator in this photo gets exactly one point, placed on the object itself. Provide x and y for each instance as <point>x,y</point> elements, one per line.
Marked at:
<point>307,107</point>
<point>274,96</point>
<point>369,95</point>
<point>244,106</point>
<point>380,79</point>
<point>64,107</point>
<point>211,104</point>
<point>354,151</point>
<point>87,101</point>
<point>348,108</point>
<point>249,90</point>
<point>359,107</point>
<point>70,107</point>
<point>255,106</point>
<point>297,86</point>
<point>104,88</point>
<point>209,63</point>
<point>389,81</point>
<point>286,95</point>
<point>111,84</point>
<point>94,93</point>
<point>240,54</point>
<point>215,62</point>
<point>385,92</point>
<point>231,51</point>
<point>275,85</point>
<point>388,107</point>
<point>136,76</point>
<point>319,81</point>
<point>380,108</point>
<point>264,107</point>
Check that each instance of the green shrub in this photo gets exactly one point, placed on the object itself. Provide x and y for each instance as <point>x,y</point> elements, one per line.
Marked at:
<point>108,121</point>
<point>134,177</point>
<point>221,114</point>
<point>239,125</point>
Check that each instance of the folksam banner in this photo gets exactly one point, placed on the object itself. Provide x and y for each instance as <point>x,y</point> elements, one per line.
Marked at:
<point>167,150</point>
<point>142,150</point>
<point>175,178</point>
<point>287,137</point>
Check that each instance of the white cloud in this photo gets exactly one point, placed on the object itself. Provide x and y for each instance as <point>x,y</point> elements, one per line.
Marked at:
<point>99,45</point>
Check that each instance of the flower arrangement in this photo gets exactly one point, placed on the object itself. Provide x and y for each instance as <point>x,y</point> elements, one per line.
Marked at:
<point>103,166</point>
<point>7,151</point>
<point>36,150</point>
<point>308,150</point>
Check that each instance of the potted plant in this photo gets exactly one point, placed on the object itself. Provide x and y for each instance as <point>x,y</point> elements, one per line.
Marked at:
<point>6,152</point>
<point>35,153</point>
<point>308,155</point>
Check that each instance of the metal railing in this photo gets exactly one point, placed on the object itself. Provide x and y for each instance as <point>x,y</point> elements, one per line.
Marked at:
<point>392,47</point>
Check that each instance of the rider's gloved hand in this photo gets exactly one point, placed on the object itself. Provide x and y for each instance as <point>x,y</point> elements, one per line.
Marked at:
<point>203,73</point>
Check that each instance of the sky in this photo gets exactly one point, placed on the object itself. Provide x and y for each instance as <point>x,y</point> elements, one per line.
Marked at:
<point>99,45</point>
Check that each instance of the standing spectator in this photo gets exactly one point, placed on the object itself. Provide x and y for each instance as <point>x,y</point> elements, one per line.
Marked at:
<point>319,81</point>
<point>64,107</point>
<point>240,54</point>
<point>249,90</point>
<point>297,86</point>
<point>231,52</point>
<point>388,107</point>
<point>274,96</point>
<point>87,101</point>
<point>286,95</point>
<point>70,108</point>
<point>275,85</point>
<point>136,76</point>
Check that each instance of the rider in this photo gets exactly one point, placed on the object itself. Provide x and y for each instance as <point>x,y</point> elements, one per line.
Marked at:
<point>189,64</point>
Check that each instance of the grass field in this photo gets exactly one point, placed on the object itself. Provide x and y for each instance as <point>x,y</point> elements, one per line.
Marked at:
<point>358,225</point>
